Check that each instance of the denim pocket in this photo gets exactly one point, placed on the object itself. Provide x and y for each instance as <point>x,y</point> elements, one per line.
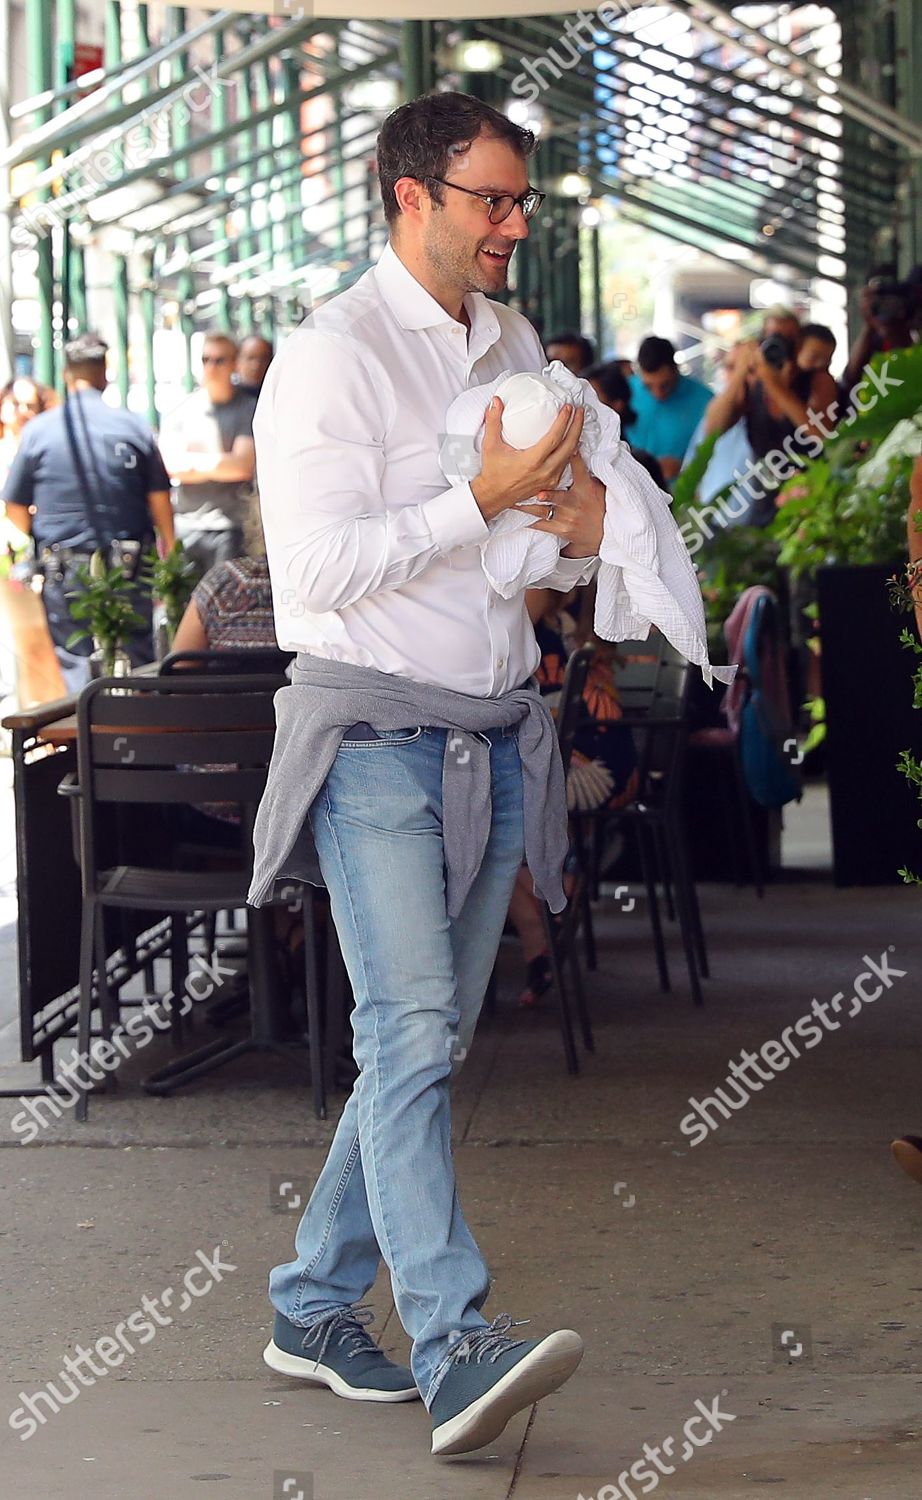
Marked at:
<point>384,738</point>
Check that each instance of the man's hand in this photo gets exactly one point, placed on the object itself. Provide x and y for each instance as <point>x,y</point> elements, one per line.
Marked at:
<point>579,512</point>
<point>511,474</point>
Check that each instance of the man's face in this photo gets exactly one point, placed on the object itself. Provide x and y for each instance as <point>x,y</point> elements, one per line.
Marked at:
<point>254,360</point>
<point>569,355</point>
<point>218,360</point>
<point>662,382</point>
<point>814,355</point>
<point>456,237</point>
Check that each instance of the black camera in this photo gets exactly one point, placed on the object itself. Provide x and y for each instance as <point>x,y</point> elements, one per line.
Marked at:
<point>777,350</point>
<point>891,301</point>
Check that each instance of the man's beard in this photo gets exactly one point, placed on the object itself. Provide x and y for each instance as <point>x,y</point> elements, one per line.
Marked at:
<point>457,265</point>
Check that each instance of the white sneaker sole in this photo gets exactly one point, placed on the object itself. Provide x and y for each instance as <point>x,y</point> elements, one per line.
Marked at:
<point>544,1370</point>
<point>305,1369</point>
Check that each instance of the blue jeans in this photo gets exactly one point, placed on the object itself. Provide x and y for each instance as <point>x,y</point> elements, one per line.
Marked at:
<point>419,977</point>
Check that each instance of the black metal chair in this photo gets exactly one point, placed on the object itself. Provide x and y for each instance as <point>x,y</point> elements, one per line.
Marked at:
<point>173,742</point>
<point>269,660</point>
<point>657,815</point>
<point>562,932</point>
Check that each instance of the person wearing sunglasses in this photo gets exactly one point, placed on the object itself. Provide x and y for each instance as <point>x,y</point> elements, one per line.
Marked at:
<point>207,444</point>
<point>413,749</point>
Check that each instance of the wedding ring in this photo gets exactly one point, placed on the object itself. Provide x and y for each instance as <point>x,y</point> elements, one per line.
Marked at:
<point>550,512</point>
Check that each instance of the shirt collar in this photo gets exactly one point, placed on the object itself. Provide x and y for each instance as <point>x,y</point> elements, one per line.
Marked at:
<point>415,308</point>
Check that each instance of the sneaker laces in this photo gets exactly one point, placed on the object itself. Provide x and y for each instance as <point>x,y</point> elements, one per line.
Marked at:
<point>348,1325</point>
<point>490,1342</point>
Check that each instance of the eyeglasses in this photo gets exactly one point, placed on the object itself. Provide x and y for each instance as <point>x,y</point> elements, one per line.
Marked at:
<point>500,204</point>
<point>216,359</point>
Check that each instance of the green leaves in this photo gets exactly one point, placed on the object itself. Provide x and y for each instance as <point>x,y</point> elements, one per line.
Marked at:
<point>172,580</point>
<point>104,603</point>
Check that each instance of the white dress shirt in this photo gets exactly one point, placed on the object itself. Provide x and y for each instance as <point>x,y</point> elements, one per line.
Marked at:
<point>372,560</point>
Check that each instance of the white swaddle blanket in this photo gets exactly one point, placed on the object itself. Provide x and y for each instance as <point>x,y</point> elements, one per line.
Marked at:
<point>646,575</point>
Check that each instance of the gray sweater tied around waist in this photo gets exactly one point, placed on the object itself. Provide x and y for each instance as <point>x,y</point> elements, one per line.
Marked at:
<point>325,697</point>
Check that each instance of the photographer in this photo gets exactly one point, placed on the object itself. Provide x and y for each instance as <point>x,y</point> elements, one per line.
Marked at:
<point>787,410</point>
<point>887,307</point>
<point>88,477</point>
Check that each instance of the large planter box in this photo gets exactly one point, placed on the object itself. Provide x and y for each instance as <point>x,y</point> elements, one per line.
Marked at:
<point>867,685</point>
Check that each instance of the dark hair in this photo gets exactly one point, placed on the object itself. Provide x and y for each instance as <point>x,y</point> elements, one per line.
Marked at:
<point>86,352</point>
<point>584,345</point>
<point>654,353</point>
<point>614,385</point>
<point>420,138</point>
<point>818,331</point>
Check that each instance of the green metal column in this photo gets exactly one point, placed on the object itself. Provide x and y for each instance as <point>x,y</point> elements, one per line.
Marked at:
<point>219,121</point>
<point>909,102</point>
<point>121,298</point>
<point>179,137</point>
<point>416,68</point>
<point>147,313</point>
<point>39,77</point>
<point>598,323</point>
<point>122,314</point>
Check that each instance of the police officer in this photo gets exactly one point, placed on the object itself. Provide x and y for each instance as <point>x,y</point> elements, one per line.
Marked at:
<point>89,477</point>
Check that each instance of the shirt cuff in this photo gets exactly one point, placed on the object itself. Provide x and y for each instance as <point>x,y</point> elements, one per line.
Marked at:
<point>573,570</point>
<point>454,518</point>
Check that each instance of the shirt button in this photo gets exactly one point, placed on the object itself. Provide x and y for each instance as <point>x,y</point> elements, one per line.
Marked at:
<point>500,662</point>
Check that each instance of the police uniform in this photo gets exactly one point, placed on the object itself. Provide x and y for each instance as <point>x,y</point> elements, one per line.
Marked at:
<point>87,469</point>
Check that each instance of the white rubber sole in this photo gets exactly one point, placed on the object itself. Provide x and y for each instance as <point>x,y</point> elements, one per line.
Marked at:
<point>544,1370</point>
<point>304,1369</point>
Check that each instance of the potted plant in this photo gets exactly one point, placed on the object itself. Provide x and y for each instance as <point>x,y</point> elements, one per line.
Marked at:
<point>104,603</point>
<point>172,580</point>
<point>843,520</point>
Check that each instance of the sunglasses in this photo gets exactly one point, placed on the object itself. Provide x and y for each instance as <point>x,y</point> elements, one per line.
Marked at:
<point>500,204</point>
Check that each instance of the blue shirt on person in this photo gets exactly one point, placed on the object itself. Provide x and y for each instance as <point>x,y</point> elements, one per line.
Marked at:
<point>88,469</point>
<point>665,428</point>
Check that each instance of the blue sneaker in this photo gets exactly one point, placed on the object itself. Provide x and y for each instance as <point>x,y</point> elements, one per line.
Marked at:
<point>339,1353</point>
<point>490,1377</point>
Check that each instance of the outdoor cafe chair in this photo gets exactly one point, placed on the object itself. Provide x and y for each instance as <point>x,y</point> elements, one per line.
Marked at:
<point>170,743</point>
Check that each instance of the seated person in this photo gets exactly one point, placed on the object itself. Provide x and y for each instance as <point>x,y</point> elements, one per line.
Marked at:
<point>230,609</point>
<point>602,774</point>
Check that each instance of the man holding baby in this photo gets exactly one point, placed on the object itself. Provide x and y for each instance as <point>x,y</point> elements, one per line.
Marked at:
<point>376,567</point>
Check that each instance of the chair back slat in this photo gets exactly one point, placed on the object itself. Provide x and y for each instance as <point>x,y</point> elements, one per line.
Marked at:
<point>179,788</point>
<point>179,747</point>
<point>204,708</point>
<point>249,661</point>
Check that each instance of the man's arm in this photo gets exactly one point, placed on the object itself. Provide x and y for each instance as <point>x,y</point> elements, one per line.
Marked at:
<point>823,398</point>
<point>320,432</point>
<point>725,410</point>
<point>237,466</point>
<point>19,488</point>
<point>160,509</point>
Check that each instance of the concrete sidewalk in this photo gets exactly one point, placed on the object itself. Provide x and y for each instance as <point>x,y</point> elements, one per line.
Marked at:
<point>774,1267</point>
